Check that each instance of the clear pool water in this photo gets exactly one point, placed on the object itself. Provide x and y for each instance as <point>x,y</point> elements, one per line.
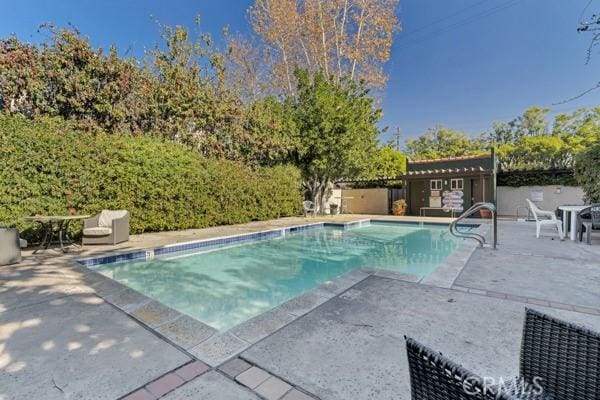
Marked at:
<point>230,285</point>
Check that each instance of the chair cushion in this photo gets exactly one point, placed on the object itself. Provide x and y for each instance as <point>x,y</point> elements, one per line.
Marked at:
<point>97,231</point>
<point>107,216</point>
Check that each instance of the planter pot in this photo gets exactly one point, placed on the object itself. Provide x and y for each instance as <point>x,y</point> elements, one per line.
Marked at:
<point>72,210</point>
<point>399,211</point>
<point>399,207</point>
<point>334,210</point>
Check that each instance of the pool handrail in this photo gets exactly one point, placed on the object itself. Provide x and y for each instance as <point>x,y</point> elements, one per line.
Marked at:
<point>472,235</point>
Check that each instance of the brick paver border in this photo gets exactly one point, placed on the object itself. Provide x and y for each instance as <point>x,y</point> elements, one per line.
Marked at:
<point>260,381</point>
<point>168,382</point>
<point>263,382</point>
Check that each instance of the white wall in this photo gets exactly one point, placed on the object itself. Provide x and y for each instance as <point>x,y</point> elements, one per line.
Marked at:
<point>335,198</point>
<point>366,201</point>
<point>509,198</point>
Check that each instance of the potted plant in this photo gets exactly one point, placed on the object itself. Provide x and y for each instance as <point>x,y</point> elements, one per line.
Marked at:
<point>399,207</point>
<point>333,209</point>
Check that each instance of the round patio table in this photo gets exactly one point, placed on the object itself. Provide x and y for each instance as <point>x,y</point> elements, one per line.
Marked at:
<point>573,211</point>
<point>55,226</point>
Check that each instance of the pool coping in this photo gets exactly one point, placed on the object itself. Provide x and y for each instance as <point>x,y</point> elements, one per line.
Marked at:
<point>221,241</point>
<point>213,347</point>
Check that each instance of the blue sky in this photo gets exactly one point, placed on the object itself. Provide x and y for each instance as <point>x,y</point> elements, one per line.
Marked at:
<point>462,63</point>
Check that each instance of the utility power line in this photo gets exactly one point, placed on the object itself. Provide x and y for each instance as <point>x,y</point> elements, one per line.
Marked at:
<point>448,16</point>
<point>461,23</point>
<point>480,127</point>
<point>584,11</point>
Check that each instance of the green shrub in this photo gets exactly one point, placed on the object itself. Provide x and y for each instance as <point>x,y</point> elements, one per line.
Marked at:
<point>536,178</point>
<point>587,172</point>
<point>46,167</point>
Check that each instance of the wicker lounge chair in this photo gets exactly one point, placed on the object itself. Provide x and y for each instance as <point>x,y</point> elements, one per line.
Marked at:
<point>108,227</point>
<point>10,246</point>
<point>588,218</point>
<point>562,358</point>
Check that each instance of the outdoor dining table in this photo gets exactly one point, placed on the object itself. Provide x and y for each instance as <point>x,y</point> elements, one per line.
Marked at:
<point>572,226</point>
<point>55,226</point>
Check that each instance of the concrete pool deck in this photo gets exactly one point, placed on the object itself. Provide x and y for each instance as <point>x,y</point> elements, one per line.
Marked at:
<point>59,339</point>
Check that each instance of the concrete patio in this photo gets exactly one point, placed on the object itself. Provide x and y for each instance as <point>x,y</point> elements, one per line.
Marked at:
<point>61,337</point>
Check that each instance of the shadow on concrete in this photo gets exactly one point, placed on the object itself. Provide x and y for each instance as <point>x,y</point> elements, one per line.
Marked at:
<point>59,340</point>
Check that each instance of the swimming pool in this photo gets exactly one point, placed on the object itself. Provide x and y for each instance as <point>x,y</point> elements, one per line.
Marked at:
<point>227,283</point>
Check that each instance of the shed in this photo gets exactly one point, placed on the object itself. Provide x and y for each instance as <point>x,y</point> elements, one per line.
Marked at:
<point>432,183</point>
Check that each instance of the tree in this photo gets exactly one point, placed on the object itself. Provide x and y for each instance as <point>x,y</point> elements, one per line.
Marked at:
<point>532,152</point>
<point>19,81</point>
<point>440,142</point>
<point>526,142</point>
<point>533,122</point>
<point>193,104</point>
<point>247,65</point>
<point>341,38</point>
<point>268,132</point>
<point>336,132</point>
<point>587,171</point>
<point>578,131</point>
<point>387,162</point>
<point>66,77</point>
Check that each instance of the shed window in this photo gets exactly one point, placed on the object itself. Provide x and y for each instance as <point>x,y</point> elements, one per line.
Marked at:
<point>456,184</point>
<point>436,184</point>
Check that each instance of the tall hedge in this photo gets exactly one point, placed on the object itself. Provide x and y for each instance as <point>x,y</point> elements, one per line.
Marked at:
<point>515,178</point>
<point>47,167</point>
<point>587,172</point>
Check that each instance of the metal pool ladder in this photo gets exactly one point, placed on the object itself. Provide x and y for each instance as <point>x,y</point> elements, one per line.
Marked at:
<point>472,235</point>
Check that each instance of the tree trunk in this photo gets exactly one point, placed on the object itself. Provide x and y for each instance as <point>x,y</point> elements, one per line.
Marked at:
<point>323,43</point>
<point>318,190</point>
<point>357,42</point>
<point>306,56</point>
<point>340,40</point>
<point>287,66</point>
<point>323,195</point>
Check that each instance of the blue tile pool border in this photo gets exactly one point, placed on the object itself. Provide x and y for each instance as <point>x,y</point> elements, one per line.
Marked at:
<point>211,243</point>
<point>423,223</point>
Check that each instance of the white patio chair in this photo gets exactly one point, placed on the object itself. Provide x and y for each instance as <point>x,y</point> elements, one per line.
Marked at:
<point>309,207</point>
<point>543,217</point>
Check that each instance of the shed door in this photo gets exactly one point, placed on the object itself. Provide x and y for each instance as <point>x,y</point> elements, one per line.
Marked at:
<point>417,197</point>
<point>476,191</point>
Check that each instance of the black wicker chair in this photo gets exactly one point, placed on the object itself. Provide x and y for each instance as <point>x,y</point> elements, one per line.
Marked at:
<point>562,358</point>
<point>435,377</point>
<point>588,219</point>
<point>565,357</point>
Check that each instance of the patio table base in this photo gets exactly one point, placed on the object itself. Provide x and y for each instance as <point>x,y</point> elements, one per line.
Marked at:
<point>56,230</point>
